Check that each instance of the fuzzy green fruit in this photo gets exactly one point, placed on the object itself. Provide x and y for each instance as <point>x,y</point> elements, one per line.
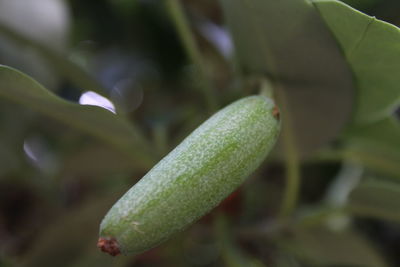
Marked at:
<point>194,178</point>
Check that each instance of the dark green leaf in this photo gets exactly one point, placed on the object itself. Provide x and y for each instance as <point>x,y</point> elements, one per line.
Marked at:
<point>372,49</point>
<point>376,198</point>
<point>323,247</point>
<point>288,41</point>
<point>18,87</point>
<point>384,133</point>
<point>376,146</point>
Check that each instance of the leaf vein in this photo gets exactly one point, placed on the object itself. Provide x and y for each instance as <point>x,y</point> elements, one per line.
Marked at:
<point>362,37</point>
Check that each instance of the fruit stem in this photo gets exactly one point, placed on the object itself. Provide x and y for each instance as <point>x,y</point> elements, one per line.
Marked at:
<point>266,88</point>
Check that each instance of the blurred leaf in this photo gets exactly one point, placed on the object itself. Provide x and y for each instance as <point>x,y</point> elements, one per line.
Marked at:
<point>322,247</point>
<point>124,7</point>
<point>372,49</point>
<point>283,259</point>
<point>289,42</point>
<point>95,160</point>
<point>20,88</point>
<point>6,262</point>
<point>52,29</point>
<point>376,145</point>
<point>18,126</point>
<point>67,240</point>
<point>384,133</point>
<point>57,61</point>
<point>27,18</point>
<point>14,125</point>
<point>374,160</point>
<point>379,199</point>
<point>232,255</point>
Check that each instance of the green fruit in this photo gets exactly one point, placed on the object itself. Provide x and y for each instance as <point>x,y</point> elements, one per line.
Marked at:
<point>194,178</point>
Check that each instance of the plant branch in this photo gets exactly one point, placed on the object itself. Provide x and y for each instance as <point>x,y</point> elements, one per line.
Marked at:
<point>192,50</point>
<point>292,162</point>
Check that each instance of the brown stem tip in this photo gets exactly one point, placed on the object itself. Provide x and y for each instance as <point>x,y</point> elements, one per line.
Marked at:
<point>276,113</point>
<point>109,245</point>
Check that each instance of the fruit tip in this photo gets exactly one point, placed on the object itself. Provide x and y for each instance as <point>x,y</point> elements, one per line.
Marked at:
<point>276,112</point>
<point>109,245</point>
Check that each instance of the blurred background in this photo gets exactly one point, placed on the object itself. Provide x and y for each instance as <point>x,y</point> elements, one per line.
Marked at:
<point>129,57</point>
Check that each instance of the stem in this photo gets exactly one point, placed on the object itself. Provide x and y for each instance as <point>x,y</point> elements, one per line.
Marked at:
<point>192,50</point>
<point>266,88</point>
<point>319,216</point>
<point>292,163</point>
<point>345,181</point>
<point>292,179</point>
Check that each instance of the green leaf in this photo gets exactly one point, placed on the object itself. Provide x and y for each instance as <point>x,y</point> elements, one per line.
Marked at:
<point>319,246</point>
<point>288,41</point>
<point>376,198</point>
<point>20,88</point>
<point>384,133</point>
<point>12,135</point>
<point>376,146</point>
<point>372,49</point>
